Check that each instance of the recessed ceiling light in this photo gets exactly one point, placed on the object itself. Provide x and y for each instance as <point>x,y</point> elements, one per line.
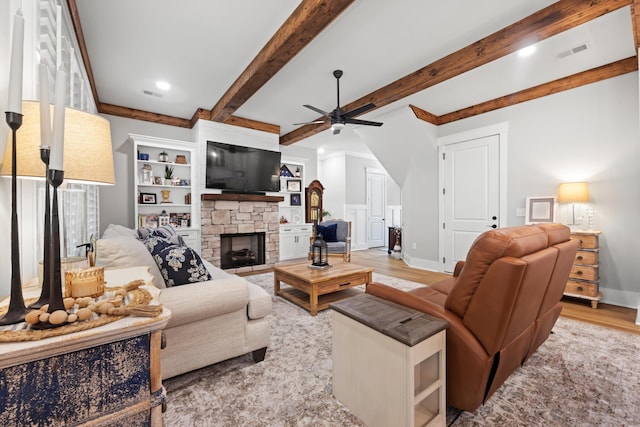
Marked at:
<point>526,51</point>
<point>163,85</point>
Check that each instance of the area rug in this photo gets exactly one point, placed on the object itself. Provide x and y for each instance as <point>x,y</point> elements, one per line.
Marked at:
<point>583,375</point>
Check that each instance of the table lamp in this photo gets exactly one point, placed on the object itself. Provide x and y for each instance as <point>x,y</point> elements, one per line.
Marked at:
<point>88,159</point>
<point>573,192</point>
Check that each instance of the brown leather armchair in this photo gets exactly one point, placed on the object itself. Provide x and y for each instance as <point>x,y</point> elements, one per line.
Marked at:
<point>501,305</point>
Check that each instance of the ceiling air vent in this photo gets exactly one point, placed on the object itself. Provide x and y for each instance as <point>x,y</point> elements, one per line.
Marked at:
<point>150,93</point>
<point>577,49</point>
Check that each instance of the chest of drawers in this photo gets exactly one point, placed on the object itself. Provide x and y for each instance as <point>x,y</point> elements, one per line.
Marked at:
<point>584,278</point>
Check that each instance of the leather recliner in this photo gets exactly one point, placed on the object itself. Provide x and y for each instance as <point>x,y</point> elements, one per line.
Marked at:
<point>501,305</point>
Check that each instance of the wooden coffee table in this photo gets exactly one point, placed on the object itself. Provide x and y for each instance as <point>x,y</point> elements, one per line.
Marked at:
<point>315,289</point>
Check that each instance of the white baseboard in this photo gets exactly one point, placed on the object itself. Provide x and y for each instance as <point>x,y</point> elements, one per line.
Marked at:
<point>620,298</point>
<point>423,264</point>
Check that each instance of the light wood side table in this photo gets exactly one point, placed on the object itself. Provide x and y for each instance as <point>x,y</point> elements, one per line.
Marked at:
<point>389,362</point>
<point>108,375</point>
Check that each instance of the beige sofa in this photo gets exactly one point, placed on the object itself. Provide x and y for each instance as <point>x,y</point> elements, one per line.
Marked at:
<point>211,321</point>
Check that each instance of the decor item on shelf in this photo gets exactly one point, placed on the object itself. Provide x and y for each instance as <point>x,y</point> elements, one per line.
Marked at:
<point>165,196</point>
<point>283,220</point>
<point>573,192</point>
<point>319,253</point>
<point>143,156</point>
<point>148,198</point>
<point>297,173</point>
<point>163,219</point>
<point>146,174</point>
<point>295,199</point>
<point>176,182</point>
<point>284,171</point>
<point>163,156</point>
<point>187,199</point>
<point>168,175</point>
<point>294,185</point>
<point>181,159</point>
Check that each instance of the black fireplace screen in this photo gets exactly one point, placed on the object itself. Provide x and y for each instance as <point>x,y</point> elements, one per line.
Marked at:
<point>241,250</point>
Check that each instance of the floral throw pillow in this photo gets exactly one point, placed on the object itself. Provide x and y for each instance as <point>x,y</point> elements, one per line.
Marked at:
<point>180,265</point>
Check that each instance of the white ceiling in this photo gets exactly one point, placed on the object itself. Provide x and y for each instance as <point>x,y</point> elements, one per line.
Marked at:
<point>201,46</point>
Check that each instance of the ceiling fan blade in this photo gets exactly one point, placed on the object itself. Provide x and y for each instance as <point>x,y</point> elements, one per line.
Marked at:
<point>360,110</point>
<point>362,122</point>
<point>317,110</point>
<point>317,122</point>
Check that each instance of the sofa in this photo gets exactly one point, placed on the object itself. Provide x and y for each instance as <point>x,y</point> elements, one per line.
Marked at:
<point>214,315</point>
<point>501,304</point>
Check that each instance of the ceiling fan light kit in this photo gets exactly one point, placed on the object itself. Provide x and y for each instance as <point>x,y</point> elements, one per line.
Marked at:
<point>338,117</point>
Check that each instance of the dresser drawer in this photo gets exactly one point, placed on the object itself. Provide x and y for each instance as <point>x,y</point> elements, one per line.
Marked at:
<point>584,272</point>
<point>586,241</point>
<point>586,258</point>
<point>581,288</point>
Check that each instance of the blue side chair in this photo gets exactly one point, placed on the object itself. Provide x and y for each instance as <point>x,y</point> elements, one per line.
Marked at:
<point>337,234</point>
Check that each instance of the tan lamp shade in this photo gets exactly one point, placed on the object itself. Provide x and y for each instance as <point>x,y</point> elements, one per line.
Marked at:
<point>88,155</point>
<point>573,192</point>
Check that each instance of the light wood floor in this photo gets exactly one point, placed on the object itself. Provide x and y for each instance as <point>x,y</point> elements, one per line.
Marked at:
<point>607,315</point>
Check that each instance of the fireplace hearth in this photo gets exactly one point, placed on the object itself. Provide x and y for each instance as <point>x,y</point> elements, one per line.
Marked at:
<point>241,250</point>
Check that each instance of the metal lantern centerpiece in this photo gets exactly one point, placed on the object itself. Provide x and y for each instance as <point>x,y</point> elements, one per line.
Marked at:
<point>319,253</point>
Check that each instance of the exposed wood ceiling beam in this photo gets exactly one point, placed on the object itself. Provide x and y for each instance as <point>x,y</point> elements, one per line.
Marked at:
<point>608,71</point>
<point>547,22</point>
<point>425,115</point>
<point>614,69</point>
<point>304,24</point>
<point>132,113</point>
<point>635,20</point>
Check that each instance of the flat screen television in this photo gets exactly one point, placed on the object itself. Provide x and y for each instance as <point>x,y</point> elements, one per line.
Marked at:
<point>238,169</point>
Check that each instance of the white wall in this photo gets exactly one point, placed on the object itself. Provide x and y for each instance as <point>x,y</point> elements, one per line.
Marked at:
<point>332,175</point>
<point>406,148</point>
<point>589,133</point>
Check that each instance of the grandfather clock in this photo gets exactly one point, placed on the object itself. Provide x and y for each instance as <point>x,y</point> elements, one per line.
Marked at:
<point>313,202</point>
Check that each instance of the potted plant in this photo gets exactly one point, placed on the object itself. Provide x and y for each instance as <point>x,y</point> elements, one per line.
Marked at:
<point>163,156</point>
<point>168,174</point>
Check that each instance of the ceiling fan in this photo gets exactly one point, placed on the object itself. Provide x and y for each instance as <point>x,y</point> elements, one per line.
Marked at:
<point>338,117</point>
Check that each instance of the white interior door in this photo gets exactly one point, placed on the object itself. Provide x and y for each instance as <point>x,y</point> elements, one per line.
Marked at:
<point>471,194</point>
<point>376,207</point>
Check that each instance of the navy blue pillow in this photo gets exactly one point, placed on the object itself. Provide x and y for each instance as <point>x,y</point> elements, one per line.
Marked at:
<point>328,232</point>
<point>180,265</point>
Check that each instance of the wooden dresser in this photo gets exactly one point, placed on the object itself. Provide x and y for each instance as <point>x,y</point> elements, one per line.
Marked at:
<point>584,278</point>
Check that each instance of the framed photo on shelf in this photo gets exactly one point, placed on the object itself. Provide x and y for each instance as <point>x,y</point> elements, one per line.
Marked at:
<point>294,185</point>
<point>295,200</point>
<point>157,180</point>
<point>540,210</point>
<point>148,198</point>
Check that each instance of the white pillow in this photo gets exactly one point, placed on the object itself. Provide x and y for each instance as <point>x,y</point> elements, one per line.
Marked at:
<point>121,251</point>
<point>115,230</point>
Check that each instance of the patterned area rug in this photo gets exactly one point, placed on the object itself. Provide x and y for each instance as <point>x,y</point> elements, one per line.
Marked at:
<point>582,375</point>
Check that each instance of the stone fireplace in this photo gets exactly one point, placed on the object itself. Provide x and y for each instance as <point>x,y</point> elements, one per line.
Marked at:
<point>241,215</point>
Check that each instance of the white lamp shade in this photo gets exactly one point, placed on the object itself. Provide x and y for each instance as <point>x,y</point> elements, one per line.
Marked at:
<point>88,154</point>
<point>573,192</point>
